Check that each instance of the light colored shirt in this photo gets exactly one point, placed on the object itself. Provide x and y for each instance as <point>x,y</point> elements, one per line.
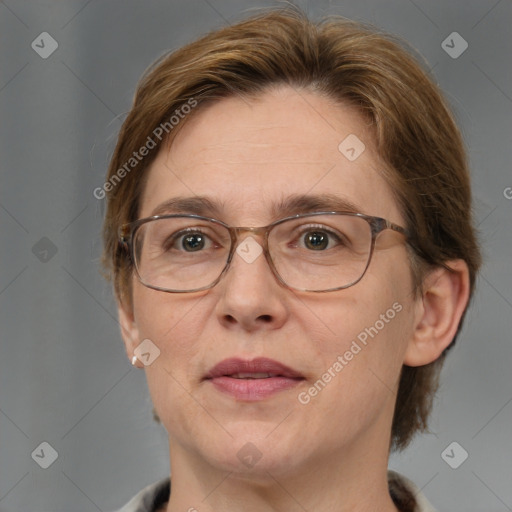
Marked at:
<point>405,494</point>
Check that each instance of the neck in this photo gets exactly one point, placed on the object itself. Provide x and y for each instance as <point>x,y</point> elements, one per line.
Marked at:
<point>335,481</point>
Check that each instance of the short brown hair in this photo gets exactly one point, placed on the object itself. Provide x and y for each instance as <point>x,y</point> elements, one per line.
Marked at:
<point>350,63</point>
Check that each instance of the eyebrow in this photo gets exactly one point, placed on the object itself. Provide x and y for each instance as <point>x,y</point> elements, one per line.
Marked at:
<point>291,205</point>
<point>306,203</point>
<point>198,205</point>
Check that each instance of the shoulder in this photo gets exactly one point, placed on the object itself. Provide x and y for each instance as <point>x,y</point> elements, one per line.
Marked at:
<point>150,498</point>
<point>406,494</point>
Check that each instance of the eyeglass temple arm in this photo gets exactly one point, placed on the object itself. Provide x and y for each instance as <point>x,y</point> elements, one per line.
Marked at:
<point>124,234</point>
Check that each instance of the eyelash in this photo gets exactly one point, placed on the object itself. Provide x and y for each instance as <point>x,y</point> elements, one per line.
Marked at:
<point>169,242</point>
<point>330,233</point>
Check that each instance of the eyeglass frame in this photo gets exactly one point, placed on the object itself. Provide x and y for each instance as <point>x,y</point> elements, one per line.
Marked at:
<point>128,230</point>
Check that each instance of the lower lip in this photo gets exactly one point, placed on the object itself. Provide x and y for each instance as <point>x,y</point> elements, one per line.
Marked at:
<point>253,390</point>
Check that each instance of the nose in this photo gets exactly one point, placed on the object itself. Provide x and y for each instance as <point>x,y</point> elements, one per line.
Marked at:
<point>250,297</point>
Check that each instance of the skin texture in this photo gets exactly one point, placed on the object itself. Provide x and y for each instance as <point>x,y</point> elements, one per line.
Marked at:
<point>329,454</point>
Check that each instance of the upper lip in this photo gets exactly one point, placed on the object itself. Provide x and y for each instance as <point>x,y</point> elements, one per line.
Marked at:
<point>234,366</point>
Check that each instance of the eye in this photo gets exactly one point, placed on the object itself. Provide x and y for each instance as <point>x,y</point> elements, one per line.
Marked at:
<point>188,241</point>
<point>318,239</point>
<point>193,242</point>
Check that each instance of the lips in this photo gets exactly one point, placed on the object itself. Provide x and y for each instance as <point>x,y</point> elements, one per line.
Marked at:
<point>252,380</point>
<point>260,367</point>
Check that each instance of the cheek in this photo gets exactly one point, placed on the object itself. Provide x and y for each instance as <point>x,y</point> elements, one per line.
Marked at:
<point>359,337</point>
<point>170,321</point>
<point>358,369</point>
<point>176,325</point>
<point>368,335</point>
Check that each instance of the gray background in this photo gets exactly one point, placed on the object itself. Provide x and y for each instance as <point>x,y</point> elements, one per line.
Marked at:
<point>64,377</point>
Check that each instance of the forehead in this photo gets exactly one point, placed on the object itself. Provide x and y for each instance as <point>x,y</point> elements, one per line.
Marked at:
<point>248,155</point>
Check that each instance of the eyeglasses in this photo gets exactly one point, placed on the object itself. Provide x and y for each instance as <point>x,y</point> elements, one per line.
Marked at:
<point>313,252</point>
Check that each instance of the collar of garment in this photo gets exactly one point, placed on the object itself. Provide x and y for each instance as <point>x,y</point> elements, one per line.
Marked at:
<point>405,494</point>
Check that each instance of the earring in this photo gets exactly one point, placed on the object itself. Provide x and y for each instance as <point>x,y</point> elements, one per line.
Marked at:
<point>134,360</point>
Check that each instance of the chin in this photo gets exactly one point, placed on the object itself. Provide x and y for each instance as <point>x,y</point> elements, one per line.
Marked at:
<point>252,453</point>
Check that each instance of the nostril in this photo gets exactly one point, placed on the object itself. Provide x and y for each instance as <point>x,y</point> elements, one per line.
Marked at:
<point>265,318</point>
<point>230,319</point>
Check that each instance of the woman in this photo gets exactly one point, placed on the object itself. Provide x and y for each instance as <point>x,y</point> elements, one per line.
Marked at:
<point>285,361</point>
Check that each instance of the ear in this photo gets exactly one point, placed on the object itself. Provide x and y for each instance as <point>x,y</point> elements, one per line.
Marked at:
<point>129,331</point>
<point>443,301</point>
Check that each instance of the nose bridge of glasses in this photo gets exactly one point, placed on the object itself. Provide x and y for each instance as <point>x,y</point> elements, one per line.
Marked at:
<point>259,232</point>
<point>249,252</point>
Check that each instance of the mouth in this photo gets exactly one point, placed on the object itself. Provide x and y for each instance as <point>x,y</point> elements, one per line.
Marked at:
<point>252,380</point>
<point>248,375</point>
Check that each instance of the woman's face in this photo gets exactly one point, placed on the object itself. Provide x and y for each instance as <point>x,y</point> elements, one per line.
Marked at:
<point>247,157</point>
